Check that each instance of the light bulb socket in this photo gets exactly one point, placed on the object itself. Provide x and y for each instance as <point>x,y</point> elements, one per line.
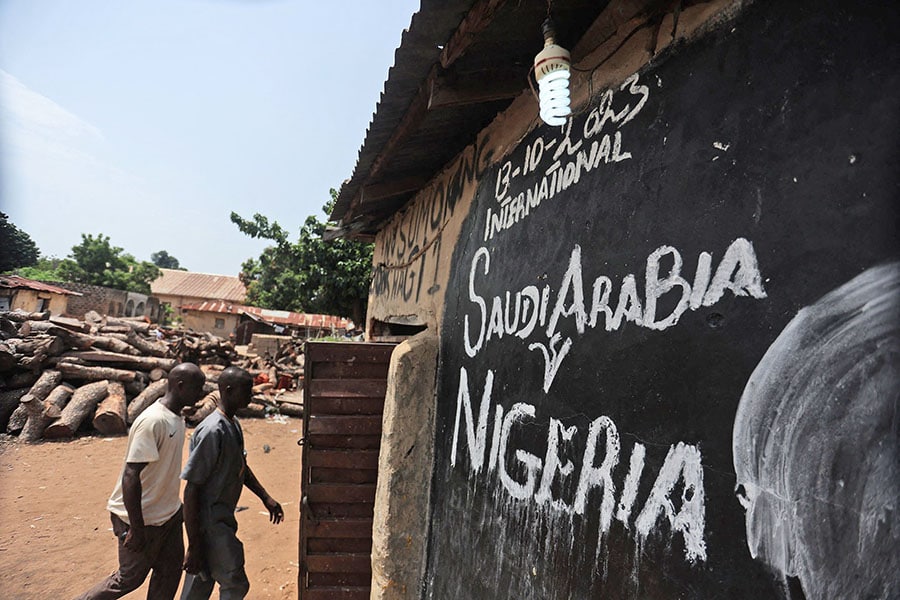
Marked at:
<point>549,31</point>
<point>553,57</point>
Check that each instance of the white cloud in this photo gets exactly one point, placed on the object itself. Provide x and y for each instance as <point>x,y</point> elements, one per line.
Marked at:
<point>60,177</point>
<point>25,108</point>
<point>57,181</point>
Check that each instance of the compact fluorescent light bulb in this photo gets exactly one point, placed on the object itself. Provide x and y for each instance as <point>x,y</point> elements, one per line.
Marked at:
<point>551,69</point>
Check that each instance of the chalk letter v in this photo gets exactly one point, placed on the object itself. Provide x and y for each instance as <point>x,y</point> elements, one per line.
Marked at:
<point>551,363</point>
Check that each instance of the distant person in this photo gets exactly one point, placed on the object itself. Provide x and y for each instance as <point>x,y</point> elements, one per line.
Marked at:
<point>145,507</point>
<point>215,472</point>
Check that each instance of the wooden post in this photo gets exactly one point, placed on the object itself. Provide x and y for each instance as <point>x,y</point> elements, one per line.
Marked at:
<point>72,371</point>
<point>118,360</point>
<point>204,407</point>
<point>114,329</point>
<point>290,410</point>
<point>17,420</point>
<point>138,325</point>
<point>154,392</point>
<point>73,324</point>
<point>115,345</point>
<point>83,401</point>
<point>146,346</point>
<point>134,388</point>
<point>110,416</point>
<point>9,402</point>
<point>53,345</point>
<point>253,410</point>
<point>33,402</point>
<point>57,400</point>
<point>21,316</point>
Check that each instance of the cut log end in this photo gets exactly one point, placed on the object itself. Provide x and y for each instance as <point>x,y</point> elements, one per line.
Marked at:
<point>110,424</point>
<point>111,414</point>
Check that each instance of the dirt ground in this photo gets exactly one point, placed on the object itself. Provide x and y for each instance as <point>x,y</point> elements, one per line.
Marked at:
<point>55,535</point>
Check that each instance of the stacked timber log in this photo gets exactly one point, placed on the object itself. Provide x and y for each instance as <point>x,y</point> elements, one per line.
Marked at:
<point>199,348</point>
<point>284,371</point>
<point>60,375</point>
<point>263,404</point>
<point>275,377</point>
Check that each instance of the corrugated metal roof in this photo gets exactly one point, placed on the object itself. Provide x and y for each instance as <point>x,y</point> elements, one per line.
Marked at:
<point>173,282</point>
<point>16,282</point>
<point>481,53</point>
<point>275,317</point>
<point>216,306</point>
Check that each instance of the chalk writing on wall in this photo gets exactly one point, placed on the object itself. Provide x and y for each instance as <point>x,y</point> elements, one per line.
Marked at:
<point>815,444</point>
<point>532,313</point>
<point>482,431</point>
<point>410,245</point>
<point>584,444</point>
<point>532,479</point>
<point>561,161</point>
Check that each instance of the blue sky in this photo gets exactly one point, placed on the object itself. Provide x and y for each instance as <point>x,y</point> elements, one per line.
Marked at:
<point>151,120</point>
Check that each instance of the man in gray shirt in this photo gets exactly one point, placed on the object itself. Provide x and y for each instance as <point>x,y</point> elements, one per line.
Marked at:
<point>215,472</point>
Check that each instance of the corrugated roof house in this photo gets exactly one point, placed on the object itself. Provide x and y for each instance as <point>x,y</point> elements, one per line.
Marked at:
<point>33,296</point>
<point>227,317</point>
<point>178,288</point>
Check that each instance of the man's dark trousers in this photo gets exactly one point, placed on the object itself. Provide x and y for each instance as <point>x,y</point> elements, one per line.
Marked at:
<point>163,553</point>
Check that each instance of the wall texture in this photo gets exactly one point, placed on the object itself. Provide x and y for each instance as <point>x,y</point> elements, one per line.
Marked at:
<point>401,501</point>
<point>103,300</point>
<point>631,293</point>
<point>29,300</point>
<point>206,321</point>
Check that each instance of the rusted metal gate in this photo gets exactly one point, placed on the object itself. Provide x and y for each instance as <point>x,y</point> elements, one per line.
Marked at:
<point>344,387</point>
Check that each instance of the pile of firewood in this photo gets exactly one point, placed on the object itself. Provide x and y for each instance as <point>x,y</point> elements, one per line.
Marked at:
<point>266,399</point>
<point>284,371</point>
<point>59,375</point>
<point>198,348</point>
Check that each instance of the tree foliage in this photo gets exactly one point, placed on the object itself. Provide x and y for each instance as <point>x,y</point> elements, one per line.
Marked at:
<point>45,269</point>
<point>17,249</point>
<point>164,260</point>
<point>310,275</point>
<point>97,262</point>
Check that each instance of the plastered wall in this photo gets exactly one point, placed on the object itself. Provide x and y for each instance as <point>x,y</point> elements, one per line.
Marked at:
<point>29,300</point>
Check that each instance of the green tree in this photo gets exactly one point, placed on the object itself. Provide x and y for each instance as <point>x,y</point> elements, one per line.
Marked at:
<point>46,269</point>
<point>17,249</point>
<point>310,275</point>
<point>164,260</point>
<point>97,262</point>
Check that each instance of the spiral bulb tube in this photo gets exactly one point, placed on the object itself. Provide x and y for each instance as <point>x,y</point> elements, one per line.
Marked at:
<point>553,91</point>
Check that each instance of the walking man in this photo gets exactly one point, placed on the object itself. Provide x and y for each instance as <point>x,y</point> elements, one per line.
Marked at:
<point>215,472</point>
<point>145,507</point>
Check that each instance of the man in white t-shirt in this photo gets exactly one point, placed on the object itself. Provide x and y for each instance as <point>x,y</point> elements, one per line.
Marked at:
<point>145,507</point>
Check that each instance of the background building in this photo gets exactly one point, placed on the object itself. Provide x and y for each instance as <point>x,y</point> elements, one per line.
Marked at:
<point>175,289</point>
<point>19,293</point>
<point>225,318</point>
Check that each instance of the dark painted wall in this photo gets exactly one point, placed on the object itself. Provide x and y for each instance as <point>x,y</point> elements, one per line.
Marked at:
<point>586,451</point>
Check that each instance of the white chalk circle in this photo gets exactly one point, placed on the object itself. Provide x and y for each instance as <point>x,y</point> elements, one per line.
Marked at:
<point>815,444</point>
